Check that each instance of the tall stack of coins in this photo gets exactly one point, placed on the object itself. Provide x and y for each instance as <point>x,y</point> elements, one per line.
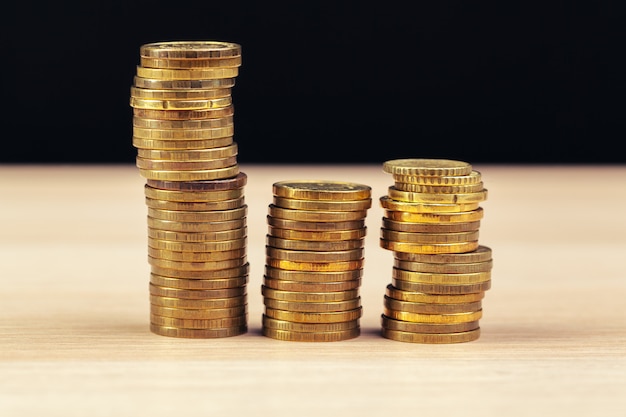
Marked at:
<point>183,130</point>
<point>314,260</point>
<point>440,272</point>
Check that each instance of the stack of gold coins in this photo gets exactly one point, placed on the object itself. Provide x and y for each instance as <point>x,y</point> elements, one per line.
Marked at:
<point>183,130</point>
<point>314,260</point>
<point>440,272</point>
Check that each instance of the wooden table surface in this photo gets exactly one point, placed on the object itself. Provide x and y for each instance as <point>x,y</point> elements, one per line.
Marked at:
<point>74,313</point>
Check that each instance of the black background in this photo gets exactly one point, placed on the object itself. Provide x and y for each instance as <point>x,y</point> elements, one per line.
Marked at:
<point>331,82</point>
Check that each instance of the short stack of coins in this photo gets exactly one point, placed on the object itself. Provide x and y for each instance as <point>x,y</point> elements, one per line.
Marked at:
<point>183,131</point>
<point>440,273</point>
<point>314,260</point>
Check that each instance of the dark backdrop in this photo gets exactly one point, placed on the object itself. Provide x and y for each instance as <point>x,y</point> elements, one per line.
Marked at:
<point>331,82</point>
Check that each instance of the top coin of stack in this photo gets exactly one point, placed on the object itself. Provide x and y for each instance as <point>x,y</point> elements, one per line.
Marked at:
<point>440,273</point>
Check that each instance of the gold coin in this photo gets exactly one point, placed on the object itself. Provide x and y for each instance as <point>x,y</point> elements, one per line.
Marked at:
<point>434,228</point>
<point>213,103</point>
<point>312,276</point>
<point>157,84</point>
<point>178,226</point>
<point>321,190</point>
<point>322,205</point>
<point>196,256</point>
<point>187,74</point>
<point>480,254</point>
<point>435,248</point>
<point>314,256</point>
<point>198,236</point>
<point>183,124</point>
<point>179,93</point>
<point>409,197</point>
<point>421,297</point>
<point>445,189</point>
<point>198,266</point>
<point>195,205</point>
<point>164,165</point>
<point>271,323</point>
<point>436,218</point>
<point>314,317</point>
<point>441,288</point>
<point>221,323</point>
<point>430,328</point>
<point>309,297</point>
<point>441,278</point>
<point>473,177</point>
<point>322,286</point>
<point>434,318</point>
<point>184,63</point>
<point>200,284</point>
<point>315,215</point>
<point>314,266</point>
<point>198,333</point>
<point>308,307</point>
<point>189,155</point>
<point>216,246</point>
<point>430,308</point>
<point>199,216</point>
<point>181,145</point>
<point>443,268</point>
<point>319,235</point>
<point>202,314</point>
<point>411,237</point>
<point>427,167</point>
<point>217,113</point>
<point>293,336</point>
<point>328,245</point>
<point>190,49</point>
<point>431,338</point>
<point>195,304</point>
<point>196,294</point>
<point>314,226</point>
<point>207,174</point>
<point>183,134</point>
<point>388,203</point>
<point>229,183</point>
<point>175,195</point>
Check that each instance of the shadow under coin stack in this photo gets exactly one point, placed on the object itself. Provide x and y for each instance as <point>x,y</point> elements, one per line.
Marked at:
<point>314,260</point>
<point>440,273</point>
<point>183,131</point>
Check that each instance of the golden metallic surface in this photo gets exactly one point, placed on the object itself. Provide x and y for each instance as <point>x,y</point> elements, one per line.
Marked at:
<point>412,237</point>
<point>310,307</point>
<point>321,190</point>
<point>309,297</point>
<point>216,113</point>
<point>421,297</point>
<point>208,174</point>
<point>313,245</point>
<point>162,291</point>
<point>314,256</point>
<point>209,195</point>
<point>230,150</point>
<point>431,338</point>
<point>434,318</point>
<point>202,314</point>
<point>441,278</point>
<point>236,273</point>
<point>216,246</point>
<point>315,215</point>
<point>220,323</point>
<point>314,317</point>
<point>184,134</point>
<point>411,227</point>
<point>187,74</point>
<point>322,286</point>
<point>322,205</point>
<point>442,198</point>
<point>229,183</point>
<point>293,336</point>
<point>178,226</point>
<point>435,248</point>
<point>197,236</point>
<point>314,226</point>
<point>388,203</point>
<point>198,333</point>
<point>181,145</point>
<point>199,206</point>
<point>317,236</point>
<point>179,93</point>
<point>445,189</point>
<point>165,165</point>
<point>198,216</point>
<point>473,177</point>
<point>157,84</point>
<point>312,276</point>
<point>430,308</point>
<point>441,288</point>
<point>436,218</point>
<point>430,328</point>
<point>198,104</point>
<point>444,268</point>
<point>427,167</point>
<point>198,304</point>
<point>185,63</point>
<point>190,49</point>
<point>271,323</point>
<point>183,124</point>
<point>481,254</point>
<point>187,256</point>
<point>198,266</point>
<point>314,266</point>
<point>200,284</point>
